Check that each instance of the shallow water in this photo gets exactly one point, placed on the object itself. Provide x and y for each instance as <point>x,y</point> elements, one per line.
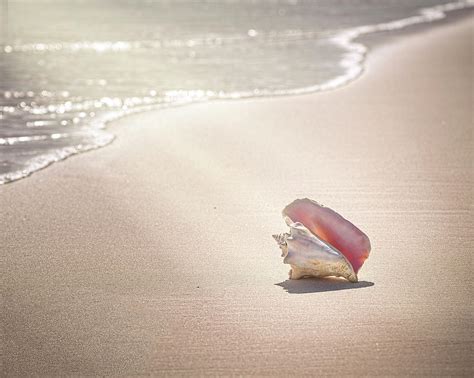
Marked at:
<point>70,66</point>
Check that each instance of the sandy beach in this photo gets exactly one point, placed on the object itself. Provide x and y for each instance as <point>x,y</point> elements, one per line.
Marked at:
<point>154,255</point>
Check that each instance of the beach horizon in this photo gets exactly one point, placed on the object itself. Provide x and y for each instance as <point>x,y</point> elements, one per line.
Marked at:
<point>155,256</point>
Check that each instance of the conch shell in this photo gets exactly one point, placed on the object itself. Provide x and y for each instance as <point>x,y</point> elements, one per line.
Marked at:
<point>321,242</point>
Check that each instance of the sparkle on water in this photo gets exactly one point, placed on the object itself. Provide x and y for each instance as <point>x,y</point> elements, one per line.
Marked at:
<point>74,68</point>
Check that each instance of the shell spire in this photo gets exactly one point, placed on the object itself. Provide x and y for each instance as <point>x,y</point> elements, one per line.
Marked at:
<point>280,239</point>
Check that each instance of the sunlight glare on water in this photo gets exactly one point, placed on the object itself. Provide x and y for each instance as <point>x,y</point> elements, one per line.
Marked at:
<point>70,67</point>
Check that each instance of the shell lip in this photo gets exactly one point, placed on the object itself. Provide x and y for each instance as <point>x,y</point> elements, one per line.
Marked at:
<point>300,200</point>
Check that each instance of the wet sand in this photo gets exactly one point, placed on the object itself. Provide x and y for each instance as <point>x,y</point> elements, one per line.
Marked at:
<point>155,256</point>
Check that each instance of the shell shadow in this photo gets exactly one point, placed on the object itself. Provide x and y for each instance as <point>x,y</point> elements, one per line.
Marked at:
<point>317,285</point>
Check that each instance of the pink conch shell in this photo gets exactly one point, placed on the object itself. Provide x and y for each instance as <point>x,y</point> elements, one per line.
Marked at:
<point>310,256</point>
<point>331,228</point>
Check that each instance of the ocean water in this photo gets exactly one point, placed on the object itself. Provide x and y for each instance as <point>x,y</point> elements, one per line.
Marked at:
<point>69,67</point>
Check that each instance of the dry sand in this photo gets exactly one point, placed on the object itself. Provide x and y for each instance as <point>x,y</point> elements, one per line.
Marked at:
<point>155,256</point>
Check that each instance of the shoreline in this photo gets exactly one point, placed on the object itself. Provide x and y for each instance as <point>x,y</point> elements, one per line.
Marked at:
<point>357,41</point>
<point>156,256</point>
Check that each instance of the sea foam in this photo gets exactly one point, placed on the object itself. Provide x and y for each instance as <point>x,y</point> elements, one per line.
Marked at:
<point>58,96</point>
